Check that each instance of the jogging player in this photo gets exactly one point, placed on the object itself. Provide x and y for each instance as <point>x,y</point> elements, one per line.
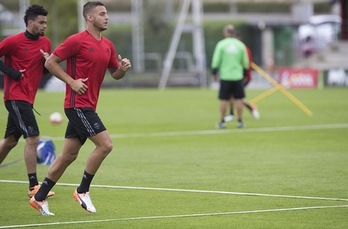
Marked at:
<point>24,57</point>
<point>88,55</point>
<point>247,78</point>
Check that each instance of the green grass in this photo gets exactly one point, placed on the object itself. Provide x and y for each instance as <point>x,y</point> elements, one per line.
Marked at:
<point>166,140</point>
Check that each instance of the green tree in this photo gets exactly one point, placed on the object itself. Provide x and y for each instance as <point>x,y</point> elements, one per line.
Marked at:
<point>62,19</point>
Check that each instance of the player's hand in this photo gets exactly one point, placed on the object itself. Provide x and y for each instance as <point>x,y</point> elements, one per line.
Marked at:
<point>124,63</point>
<point>79,86</point>
<point>44,54</point>
<point>215,78</point>
<point>22,73</point>
<point>16,75</point>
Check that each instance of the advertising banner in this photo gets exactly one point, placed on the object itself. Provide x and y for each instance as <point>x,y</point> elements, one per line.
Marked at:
<point>298,77</point>
<point>336,77</point>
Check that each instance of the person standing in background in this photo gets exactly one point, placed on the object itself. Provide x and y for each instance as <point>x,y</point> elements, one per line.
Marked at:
<point>229,62</point>
<point>24,57</point>
<point>88,55</point>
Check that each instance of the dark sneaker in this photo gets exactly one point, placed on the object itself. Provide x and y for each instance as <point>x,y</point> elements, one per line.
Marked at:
<point>220,125</point>
<point>240,124</point>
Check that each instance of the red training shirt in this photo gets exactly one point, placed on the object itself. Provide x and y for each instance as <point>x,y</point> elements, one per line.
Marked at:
<point>249,71</point>
<point>20,53</point>
<point>89,58</point>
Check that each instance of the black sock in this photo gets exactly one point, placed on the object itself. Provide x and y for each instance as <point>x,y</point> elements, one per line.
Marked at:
<point>247,105</point>
<point>32,180</point>
<point>46,186</point>
<point>85,182</point>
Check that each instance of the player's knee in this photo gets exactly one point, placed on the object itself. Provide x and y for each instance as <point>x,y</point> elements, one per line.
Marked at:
<point>10,143</point>
<point>68,158</point>
<point>33,140</point>
<point>107,148</point>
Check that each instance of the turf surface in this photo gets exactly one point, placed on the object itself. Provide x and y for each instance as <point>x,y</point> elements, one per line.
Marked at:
<point>171,169</point>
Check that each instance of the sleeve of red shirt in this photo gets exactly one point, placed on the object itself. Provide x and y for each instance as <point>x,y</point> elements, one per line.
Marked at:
<point>6,49</point>
<point>68,48</point>
<point>247,73</point>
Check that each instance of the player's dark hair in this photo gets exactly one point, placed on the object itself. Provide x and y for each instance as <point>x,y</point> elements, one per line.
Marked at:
<point>33,11</point>
<point>89,6</point>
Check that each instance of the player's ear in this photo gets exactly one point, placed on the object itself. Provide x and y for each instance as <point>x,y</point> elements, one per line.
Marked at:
<point>89,17</point>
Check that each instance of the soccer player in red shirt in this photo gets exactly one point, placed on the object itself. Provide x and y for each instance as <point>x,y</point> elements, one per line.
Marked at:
<point>88,55</point>
<point>24,57</point>
<point>247,78</point>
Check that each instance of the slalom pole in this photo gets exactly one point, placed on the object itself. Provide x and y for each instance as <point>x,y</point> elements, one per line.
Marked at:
<point>278,86</point>
<point>263,95</point>
<point>266,94</point>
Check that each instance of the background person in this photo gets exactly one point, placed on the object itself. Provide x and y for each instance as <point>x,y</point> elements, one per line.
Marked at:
<point>88,55</point>
<point>308,47</point>
<point>229,61</point>
<point>24,57</point>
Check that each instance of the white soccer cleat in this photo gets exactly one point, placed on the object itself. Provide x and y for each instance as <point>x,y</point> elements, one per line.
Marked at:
<point>85,201</point>
<point>255,113</point>
<point>41,206</point>
<point>228,118</point>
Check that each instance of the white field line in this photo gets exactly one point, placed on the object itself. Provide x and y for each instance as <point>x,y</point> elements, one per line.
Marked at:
<point>175,216</point>
<point>224,131</point>
<point>193,191</point>
<point>11,162</point>
<point>202,132</point>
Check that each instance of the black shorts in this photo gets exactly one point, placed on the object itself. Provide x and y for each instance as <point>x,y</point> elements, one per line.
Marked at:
<point>230,89</point>
<point>21,119</point>
<point>83,123</point>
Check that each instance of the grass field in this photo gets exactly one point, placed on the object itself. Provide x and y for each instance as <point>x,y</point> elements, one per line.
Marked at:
<point>171,169</point>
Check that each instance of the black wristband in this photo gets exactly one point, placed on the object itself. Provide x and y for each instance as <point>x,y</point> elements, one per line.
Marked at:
<point>245,72</point>
<point>215,71</point>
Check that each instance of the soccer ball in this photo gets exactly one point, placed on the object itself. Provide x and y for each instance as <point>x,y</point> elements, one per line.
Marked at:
<point>56,118</point>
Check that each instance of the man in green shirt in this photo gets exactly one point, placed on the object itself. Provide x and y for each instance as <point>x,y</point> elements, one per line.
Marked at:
<point>230,61</point>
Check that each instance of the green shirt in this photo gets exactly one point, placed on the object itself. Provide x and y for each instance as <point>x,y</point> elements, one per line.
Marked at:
<point>230,57</point>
